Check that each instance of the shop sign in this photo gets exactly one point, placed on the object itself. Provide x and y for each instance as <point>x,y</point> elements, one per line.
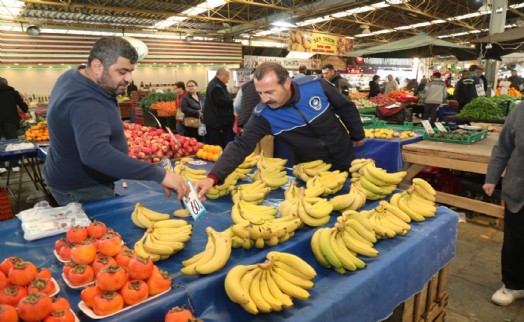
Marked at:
<point>361,70</point>
<point>288,63</point>
<point>319,43</point>
<point>389,62</point>
<point>324,44</point>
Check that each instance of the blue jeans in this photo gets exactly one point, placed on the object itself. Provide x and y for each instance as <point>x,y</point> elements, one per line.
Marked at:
<point>91,193</point>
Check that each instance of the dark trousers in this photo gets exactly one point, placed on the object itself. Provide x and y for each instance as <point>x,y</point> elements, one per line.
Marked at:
<point>9,131</point>
<point>218,135</point>
<point>512,258</point>
<point>430,112</point>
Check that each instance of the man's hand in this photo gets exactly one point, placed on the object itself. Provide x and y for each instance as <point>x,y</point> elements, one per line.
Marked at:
<point>489,188</point>
<point>202,186</point>
<point>173,181</point>
<point>358,143</point>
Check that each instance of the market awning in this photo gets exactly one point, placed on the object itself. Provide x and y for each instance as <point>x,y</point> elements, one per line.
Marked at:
<point>502,44</point>
<point>515,34</point>
<point>420,46</point>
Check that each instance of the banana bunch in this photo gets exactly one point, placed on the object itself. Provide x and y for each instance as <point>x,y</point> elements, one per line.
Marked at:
<point>357,237</point>
<point>307,170</point>
<point>265,163</point>
<point>273,178</point>
<point>251,192</point>
<point>377,183</point>
<point>213,258</point>
<point>330,250</point>
<point>415,206</point>
<point>244,211</point>
<point>144,217</point>
<point>189,173</point>
<point>223,189</point>
<point>312,211</point>
<point>163,239</point>
<point>386,223</point>
<point>249,162</point>
<point>272,285</point>
<point>326,183</point>
<point>353,200</point>
<point>242,172</point>
<point>260,233</point>
<point>422,189</point>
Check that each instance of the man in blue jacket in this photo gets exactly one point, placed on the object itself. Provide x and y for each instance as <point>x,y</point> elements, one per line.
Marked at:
<point>88,150</point>
<point>309,115</point>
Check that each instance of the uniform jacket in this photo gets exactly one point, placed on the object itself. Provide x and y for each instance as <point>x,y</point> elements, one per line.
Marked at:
<point>508,154</point>
<point>218,111</point>
<point>465,89</point>
<point>327,111</point>
<point>9,100</point>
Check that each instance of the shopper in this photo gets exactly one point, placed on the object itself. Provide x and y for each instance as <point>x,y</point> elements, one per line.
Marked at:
<point>88,150</point>
<point>391,85</point>
<point>330,74</point>
<point>480,74</point>
<point>309,115</point>
<point>508,155</point>
<point>421,86</point>
<point>517,82</point>
<point>180,90</point>
<point>302,71</point>
<point>131,88</point>
<point>218,114</point>
<point>10,104</point>
<point>191,106</point>
<point>433,96</point>
<point>374,86</point>
<point>469,87</point>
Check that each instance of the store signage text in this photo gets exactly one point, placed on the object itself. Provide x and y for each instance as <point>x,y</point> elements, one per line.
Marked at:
<point>389,62</point>
<point>289,63</point>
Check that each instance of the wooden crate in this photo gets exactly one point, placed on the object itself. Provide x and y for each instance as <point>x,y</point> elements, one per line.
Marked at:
<point>429,305</point>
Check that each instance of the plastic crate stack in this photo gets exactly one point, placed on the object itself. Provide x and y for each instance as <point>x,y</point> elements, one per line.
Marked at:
<point>5,207</point>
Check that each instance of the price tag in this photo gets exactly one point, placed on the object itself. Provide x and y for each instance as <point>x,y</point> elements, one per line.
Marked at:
<point>166,164</point>
<point>192,203</point>
<point>441,127</point>
<point>427,127</point>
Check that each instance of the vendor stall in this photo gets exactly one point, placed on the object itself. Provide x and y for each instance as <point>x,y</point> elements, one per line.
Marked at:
<point>469,158</point>
<point>402,269</point>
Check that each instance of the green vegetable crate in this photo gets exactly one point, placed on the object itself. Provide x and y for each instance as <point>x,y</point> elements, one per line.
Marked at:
<point>466,137</point>
<point>367,119</point>
<point>406,126</point>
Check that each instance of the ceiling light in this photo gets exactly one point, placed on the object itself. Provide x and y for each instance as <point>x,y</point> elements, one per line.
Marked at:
<point>189,38</point>
<point>365,30</point>
<point>486,7</point>
<point>33,30</point>
<point>283,24</point>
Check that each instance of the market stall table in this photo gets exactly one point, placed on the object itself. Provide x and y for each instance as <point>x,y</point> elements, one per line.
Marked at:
<point>470,158</point>
<point>404,266</point>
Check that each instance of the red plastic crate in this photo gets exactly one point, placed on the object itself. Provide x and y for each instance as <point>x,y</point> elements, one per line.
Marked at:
<point>5,207</point>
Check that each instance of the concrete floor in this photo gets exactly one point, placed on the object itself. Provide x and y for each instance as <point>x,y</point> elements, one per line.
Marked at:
<point>473,277</point>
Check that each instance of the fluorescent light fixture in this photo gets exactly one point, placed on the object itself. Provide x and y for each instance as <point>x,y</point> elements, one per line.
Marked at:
<point>299,55</point>
<point>313,21</point>
<point>516,6</point>
<point>10,9</point>
<point>196,10</point>
<point>168,22</point>
<point>485,8</point>
<point>438,21</point>
<point>283,24</point>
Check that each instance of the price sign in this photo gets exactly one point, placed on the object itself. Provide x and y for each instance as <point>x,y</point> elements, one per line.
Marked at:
<point>441,127</point>
<point>192,203</point>
<point>427,126</point>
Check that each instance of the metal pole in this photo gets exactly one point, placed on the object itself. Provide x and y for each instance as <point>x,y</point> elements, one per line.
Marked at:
<point>496,25</point>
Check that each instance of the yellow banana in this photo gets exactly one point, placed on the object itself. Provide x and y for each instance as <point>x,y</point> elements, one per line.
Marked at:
<point>209,252</point>
<point>275,183</point>
<point>143,220</point>
<point>314,191</point>
<point>187,229</point>
<point>395,220</point>
<point>312,164</point>
<point>352,214</point>
<point>368,234</point>
<point>424,184</point>
<point>171,223</point>
<point>221,255</point>
<point>294,279</point>
<point>289,288</point>
<point>232,283</point>
<point>396,211</point>
<point>245,284</point>
<point>368,185</point>
<point>256,296</point>
<point>421,208</point>
<point>414,215</point>
<point>357,236</point>
<point>422,193</point>
<point>197,172</point>
<point>175,245</point>
<point>339,249</point>
<point>295,262</point>
<point>356,245</point>
<point>317,251</point>
<point>310,220</point>
<point>151,214</point>
<point>341,202</point>
<point>283,298</point>
<point>159,249</point>
<point>276,305</point>
<point>134,219</point>
<point>326,248</point>
<point>140,251</point>
<point>182,237</point>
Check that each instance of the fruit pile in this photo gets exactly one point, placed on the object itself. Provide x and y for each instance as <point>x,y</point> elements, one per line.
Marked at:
<point>213,258</point>
<point>272,285</point>
<point>312,211</point>
<point>151,144</point>
<point>168,108</point>
<point>375,182</point>
<point>388,134</point>
<point>37,132</point>
<point>26,293</point>
<point>271,171</point>
<point>209,152</point>
<point>188,173</point>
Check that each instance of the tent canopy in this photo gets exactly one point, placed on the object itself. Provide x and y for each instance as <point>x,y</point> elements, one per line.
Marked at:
<point>420,46</point>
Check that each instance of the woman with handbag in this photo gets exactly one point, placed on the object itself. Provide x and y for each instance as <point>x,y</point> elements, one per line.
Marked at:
<point>191,106</point>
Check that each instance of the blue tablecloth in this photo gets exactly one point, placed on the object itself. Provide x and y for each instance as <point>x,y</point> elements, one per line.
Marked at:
<point>14,155</point>
<point>404,265</point>
<point>386,153</point>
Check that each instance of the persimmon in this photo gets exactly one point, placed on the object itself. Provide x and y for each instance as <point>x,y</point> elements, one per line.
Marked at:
<point>158,282</point>
<point>178,314</point>
<point>83,254</point>
<point>110,244</point>
<point>108,303</point>
<point>96,229</point>
<point>8,313</point>
<point>42,285</point>
<point>140,268</point>
<point>59,243</point>
<point>124,257</point>
<point>80,275</point>
<point>43,273</point>
<point>76,234</point>
<point>65,252</point>
<point>102,261</point>
<point>8,263</point>
<point>22,273</point>
<point>88,295</point>
<point>4,281</point>
<point>34,307</point>
<point>67,267</point>
<point>92,241</point>
<point>61,316</point>
<point>111,278</point>
<point>59,303</point>
<point>134,292</point>
<point>11,295</point>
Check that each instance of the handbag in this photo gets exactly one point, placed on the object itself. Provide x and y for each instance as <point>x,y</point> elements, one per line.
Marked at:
<point>191,122</point>
<point>179,114</point>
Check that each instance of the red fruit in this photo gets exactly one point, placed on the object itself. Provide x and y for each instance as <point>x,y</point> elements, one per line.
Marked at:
<point>11,295</point>
<point>42,285</point>
<point>34,307</point>
<point>124,257</point>
<point>96,229</point>
<point>81,275</point>
<point>140,268</point>
<point>22,273</point>
<point>59,243</point>
<point>89,293</point>
<point>67,267</point>
<point>61,316</point>
<point>65,252</point>
<point>8,263</point>
<point>3,280</point>
<point>110,244</point>
<point>108,303</point>
<point>76,234</point>
<point>111,278</point>
<point>59,303</point>
<point>178,314</point>
<point>83,254</point>
<point>91,241</point>
<point>158,282</point>
<point>43,273</point>
<point>134,292</point>
<point>102,261</point>
<point>8,313</point>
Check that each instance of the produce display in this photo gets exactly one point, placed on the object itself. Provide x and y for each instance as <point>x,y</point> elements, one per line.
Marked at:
<point>355,96</point>
<point>511,92</point>
<point>307,170</point>
<point>271,285</point>
<point>164,109</point>
<point>388,134</point>
<point>418,202</point>
<point>151,144</point>
<point>382,100</point>
<point>254,192</point>
<point>213,258</point>
<point>154,97</point>
<point>375,182</point>
<point>271,171</point>
<point>37,132</point>
<point>312,211</point>
<point>461,136</point>
<point>487,108</point>
<point>364,103</point>
<point>188,173</point>
<point>209,152</point>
